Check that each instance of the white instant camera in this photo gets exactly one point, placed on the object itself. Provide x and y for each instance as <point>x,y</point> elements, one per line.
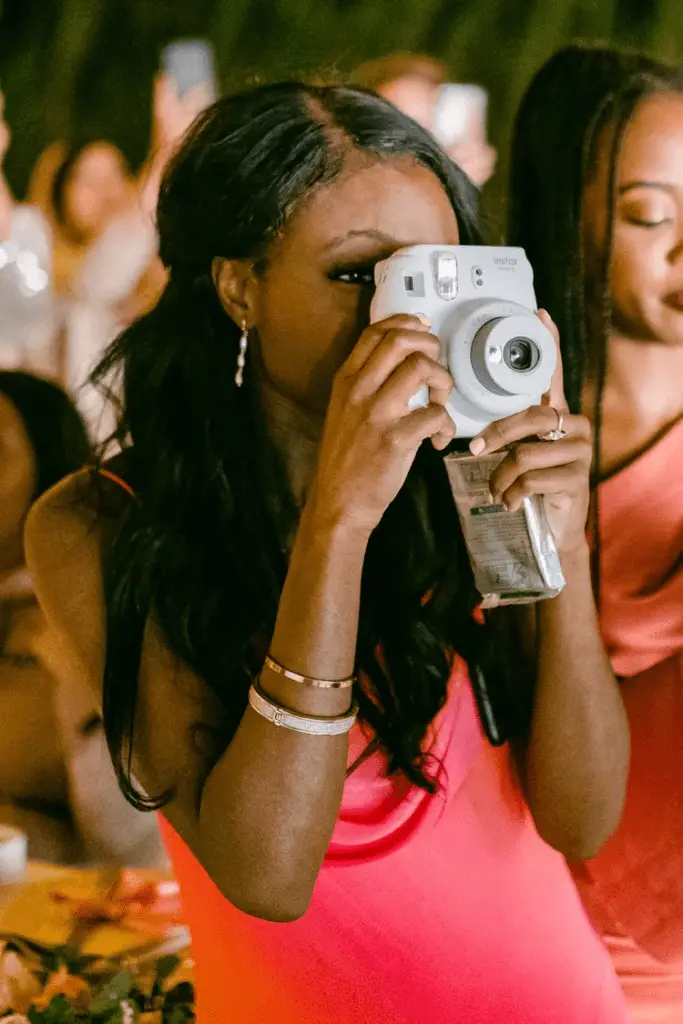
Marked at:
<point>482,305</point>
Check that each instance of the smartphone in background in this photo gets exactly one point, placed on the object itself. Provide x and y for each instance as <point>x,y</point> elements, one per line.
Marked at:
<point>190,63</point>
<point>460,114</point>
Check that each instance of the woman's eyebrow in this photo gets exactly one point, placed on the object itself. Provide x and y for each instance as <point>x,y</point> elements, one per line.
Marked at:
<point>373,233</point>
<point>661,185</point>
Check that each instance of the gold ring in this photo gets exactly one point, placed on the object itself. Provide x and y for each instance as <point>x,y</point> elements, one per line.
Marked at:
<point>559,432</point>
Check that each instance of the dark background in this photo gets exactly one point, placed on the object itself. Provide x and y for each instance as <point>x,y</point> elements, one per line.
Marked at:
<point>83,68</point>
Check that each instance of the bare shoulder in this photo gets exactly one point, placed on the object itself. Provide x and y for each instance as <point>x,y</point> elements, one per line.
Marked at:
<point>81,507</point>
<point>66,536</point>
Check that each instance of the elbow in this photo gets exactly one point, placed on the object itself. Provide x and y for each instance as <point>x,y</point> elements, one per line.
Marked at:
<point>578,821</point>
<point>577,839</point>
<point>573,847</point>
<point>273,910</point>
<point>266,898</point>
<point>278,908</point>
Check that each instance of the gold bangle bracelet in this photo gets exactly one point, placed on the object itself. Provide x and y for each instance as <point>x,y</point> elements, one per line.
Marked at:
<point>295,677</point>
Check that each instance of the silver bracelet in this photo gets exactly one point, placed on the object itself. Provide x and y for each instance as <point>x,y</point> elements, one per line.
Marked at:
<point>277,715</point>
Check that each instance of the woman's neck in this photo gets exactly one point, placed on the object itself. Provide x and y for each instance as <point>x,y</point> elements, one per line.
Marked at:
<point>642,396</point>
<point>295,432</point>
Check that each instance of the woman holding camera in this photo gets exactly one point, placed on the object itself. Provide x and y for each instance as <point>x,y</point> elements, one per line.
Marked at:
<point>597,201</point>
<point>276,609</point>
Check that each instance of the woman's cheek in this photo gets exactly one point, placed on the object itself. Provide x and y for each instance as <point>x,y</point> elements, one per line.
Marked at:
<point>634,274</point>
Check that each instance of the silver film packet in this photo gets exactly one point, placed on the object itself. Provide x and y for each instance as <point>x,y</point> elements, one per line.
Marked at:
<point>513,554</point>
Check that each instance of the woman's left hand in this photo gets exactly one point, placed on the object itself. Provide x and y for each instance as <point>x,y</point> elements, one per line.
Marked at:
<point>557,470</point>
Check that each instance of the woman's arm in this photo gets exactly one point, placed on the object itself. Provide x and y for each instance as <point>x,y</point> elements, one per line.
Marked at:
<point>285,788</point>
<point>577,758</point>
<point>7,201</point>
<point>76,768</point>
<point>7,205</point>
<point>108,828</point>
<point>171,119</point>
<point>576,761</point>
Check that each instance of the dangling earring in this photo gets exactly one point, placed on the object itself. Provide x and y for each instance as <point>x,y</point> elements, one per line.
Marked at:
<point>242,355</point>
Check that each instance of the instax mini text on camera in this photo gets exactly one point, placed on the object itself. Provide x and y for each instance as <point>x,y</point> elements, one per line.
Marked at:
<point>482,306</point>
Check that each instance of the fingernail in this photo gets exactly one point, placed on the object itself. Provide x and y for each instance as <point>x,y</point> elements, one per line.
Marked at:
<point>425,320</point>
<point>477,445</point>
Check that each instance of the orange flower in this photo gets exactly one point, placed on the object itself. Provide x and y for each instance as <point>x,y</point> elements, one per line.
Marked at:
<point>76,990</point>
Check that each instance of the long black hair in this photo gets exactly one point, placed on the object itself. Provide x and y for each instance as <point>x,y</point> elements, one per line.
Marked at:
<point>579,94</point>
<point>55,429</point>
<point>204,544</point>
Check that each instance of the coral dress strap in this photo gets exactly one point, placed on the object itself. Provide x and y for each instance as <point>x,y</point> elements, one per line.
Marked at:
<point>116,479</point>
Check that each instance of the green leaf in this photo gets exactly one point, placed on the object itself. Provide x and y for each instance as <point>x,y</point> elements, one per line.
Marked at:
<point>166,966</point>
<point>179,1004</point>
<point>109,996</point>
<point>178,1015</point>
<point>182,994</point>
<point>59,1011</point>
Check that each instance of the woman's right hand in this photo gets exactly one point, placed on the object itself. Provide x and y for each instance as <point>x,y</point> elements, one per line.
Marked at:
<point>371,436</point>
<point>172,114</point>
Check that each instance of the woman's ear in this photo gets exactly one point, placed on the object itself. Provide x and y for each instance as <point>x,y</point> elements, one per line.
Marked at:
<point>238,289</point>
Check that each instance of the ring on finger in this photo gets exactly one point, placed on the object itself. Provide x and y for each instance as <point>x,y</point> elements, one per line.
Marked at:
<point>559,432</point>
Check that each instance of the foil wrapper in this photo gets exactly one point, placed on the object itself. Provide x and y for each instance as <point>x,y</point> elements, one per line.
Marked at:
<point>513,554</point>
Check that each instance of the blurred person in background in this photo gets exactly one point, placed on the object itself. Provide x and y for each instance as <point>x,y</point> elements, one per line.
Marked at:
<point>91,187</point>
<point>56,779</point>
<point>597,202</point>
<point>106,264</point>
<point>266,541</point>
<point>413,82</point>
<point>27,315</point>
<point>408,80</point>
<point>104,256</point>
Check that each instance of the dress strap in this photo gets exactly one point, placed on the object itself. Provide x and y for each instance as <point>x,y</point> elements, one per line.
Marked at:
<point>117,480</point>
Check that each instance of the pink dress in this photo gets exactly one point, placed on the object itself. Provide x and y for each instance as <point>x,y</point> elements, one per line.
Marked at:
<point>428,910</point>
<point>634,887</point>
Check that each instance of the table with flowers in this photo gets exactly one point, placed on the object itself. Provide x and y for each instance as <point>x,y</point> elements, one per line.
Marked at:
<point>93,947</point>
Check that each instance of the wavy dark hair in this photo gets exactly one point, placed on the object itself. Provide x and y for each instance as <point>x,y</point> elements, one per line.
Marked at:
<point>204,544</point>
<point>581,94</point>
<point>55,428</point>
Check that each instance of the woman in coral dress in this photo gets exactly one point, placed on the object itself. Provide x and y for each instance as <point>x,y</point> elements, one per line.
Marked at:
<point>244,586</point>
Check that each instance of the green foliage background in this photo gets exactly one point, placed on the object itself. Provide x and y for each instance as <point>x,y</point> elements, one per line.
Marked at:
<point>84,67</point>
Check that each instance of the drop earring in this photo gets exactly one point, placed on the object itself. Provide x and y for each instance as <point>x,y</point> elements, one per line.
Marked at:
<point>242,355</point>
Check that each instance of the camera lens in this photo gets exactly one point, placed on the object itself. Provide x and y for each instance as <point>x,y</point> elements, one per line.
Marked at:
<point>521,354</point>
